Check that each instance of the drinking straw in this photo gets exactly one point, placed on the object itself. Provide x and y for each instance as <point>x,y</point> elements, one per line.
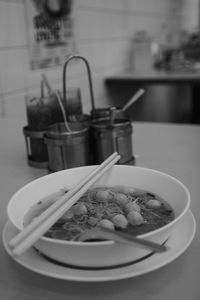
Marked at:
<point>58,97</point>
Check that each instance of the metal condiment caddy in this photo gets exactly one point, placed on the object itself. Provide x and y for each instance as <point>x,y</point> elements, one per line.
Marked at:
<point>91,138</point>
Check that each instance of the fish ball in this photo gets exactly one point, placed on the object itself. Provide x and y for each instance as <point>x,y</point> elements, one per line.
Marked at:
<point>120,221</point>
<point>93,221</point>
<point>135,218</point>
<point>104,195</point>
<point>67,216</point>
<point>121,199</point>
<point>79,209</point>
<point>132,206</point>
<point>106,223</point>
<point>125,189</point>
<point>153,203</point>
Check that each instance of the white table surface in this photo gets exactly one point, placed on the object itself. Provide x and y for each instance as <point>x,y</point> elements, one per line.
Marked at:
<point>174,149</point>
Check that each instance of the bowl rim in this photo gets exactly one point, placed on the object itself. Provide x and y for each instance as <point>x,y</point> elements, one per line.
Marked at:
<point>108,242</point>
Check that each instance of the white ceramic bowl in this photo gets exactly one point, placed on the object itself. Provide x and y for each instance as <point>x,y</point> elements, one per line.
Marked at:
<point>105,253</point>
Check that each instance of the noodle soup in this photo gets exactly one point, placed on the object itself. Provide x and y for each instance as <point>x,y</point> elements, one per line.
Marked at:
<point>126,209</point>
<point>125,198</point>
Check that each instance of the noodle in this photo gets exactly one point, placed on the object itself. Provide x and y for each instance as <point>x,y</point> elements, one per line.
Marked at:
<point>123,208</point>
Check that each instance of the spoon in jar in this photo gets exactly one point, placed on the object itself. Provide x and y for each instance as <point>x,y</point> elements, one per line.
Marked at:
<point>102,233</point>
<point>135,97</point>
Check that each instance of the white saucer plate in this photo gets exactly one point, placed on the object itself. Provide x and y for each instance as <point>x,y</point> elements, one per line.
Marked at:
<point>178,242</point>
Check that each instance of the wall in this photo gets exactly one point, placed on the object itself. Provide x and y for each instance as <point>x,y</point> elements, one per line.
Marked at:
<point>190,15</point>
<point>103,33</point>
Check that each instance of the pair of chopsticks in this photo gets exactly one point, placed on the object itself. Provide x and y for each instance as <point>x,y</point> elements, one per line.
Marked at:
<point>32,232</point>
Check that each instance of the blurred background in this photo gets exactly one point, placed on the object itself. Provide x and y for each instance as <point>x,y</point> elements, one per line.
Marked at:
<point>114,36</point>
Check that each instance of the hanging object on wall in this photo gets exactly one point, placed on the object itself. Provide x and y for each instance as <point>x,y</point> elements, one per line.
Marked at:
<point>50,32</point>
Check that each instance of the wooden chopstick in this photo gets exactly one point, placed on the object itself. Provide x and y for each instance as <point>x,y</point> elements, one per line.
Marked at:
<point>40,225</point>
<point>35,223</point>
